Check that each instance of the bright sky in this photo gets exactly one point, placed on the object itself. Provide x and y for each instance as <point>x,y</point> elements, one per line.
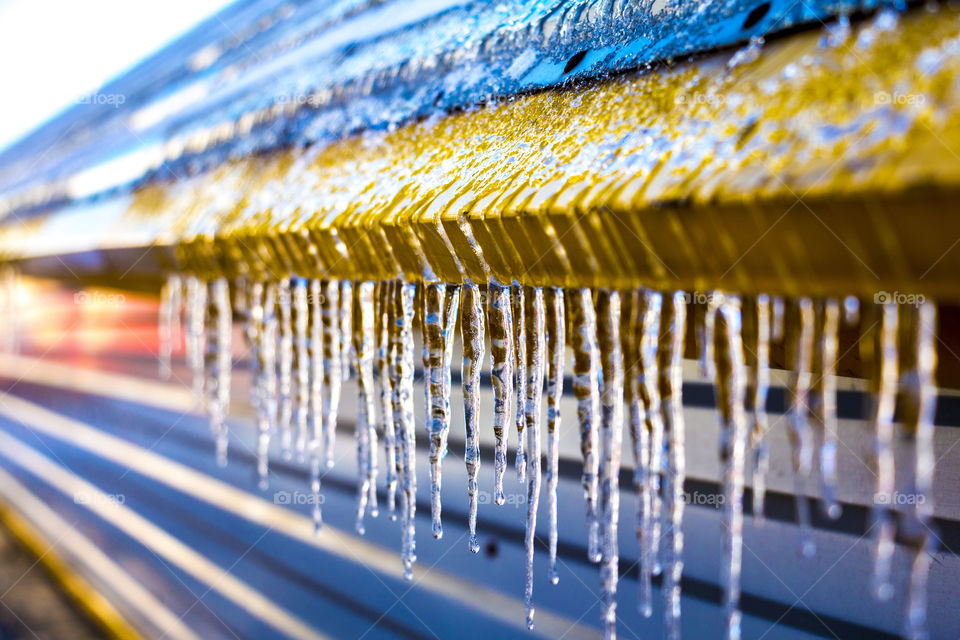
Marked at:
<point>54,51</point>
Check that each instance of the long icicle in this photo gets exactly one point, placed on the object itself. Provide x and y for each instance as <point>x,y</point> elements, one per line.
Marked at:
<point>500,316</point>
<point>302,309</point>
<point>631,321</point>
<point>534,330</point>
<point>652,451</point>
<point>922,395</point>
<point>267,414</point>
<point>169,332</point>
<point>520,379</point>
<point>799,345</point>
<point>196,312</point>
<point>611,404</point>
<point>828,323</point>
<point>316,398</point>
<point>472,333</point>
<point>451,311</point>
<point>332,374</point>
<point>384,317</point>
<point>885,397</point>
<point>586,388</point>
<point>220,364</point>
<point>438,411</point>
<point>403,412</point>
<point>284,298</point>
<point>758,329</point>
<point>347,354</point>
<point>670,365</point>
<point>366,435</point>
<point>731,394</point>
<point>420,302</point>
<point>556,341</point>
<point>253,330</point>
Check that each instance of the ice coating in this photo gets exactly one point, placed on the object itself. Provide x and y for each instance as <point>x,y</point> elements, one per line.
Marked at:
<point>825,401</point>
<point>402,379</point>
<point>731,395</point>
<point>384,323</point>
<point>884,402</point>
<point>365,432</point>
<point>556,341</point>
<point>799,348</point>
<point>650,503</point>
<point>285,350</point>
<point>535,346</point>
<point>500,321</point>
<point>520,367</point>
<point>472,332</point>
<point>219,363</point>
<point>332,374</point>
<point>316,397</point>
<point>673,325</point>
<point>611,406</point>
<point>586,388</point>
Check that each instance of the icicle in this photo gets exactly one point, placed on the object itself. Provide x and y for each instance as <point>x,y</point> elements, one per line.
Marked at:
<point>218,364</point>
<point>451,309</point>
<point>611,357</point>
<point>347,355</point>
<point>825,405</point>
<point>436,322</point>
<point>286,367</point>
<point>267,382</point>
<point>9,290</point>
<point>885,397</point>
<point>501,373</point>
<point>169,333</point>
<point>316,398</point>
<point>402,381</point>
<point>303,364</point>
<point>472,333</point>
<point>556,341</point>
<point>651,449</point>
<point>332,374</point>
<point>534,332</point>
<point>196,339</point>
<point>706,315</point>
<point>586,387</point>
<point>731,393</point>
<point>252,329</point>
<point>384,360</point>
<point>921,404</point>
<point>421,301</point>
<point>778,311</point>
<point>520,378</point>
<point>631,319</point>
<point>366,435</point>
<point>670,366</point>
<point>799,345</point>
<point>756,329</point>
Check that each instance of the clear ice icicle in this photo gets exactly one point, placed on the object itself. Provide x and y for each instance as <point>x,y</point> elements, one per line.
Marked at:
<point>884,402</point>
<point>921,401</point>
<point>651,449</point>
<point>332,374</point>
<point>267,381</point>
<point>451,310</point>
<point>219,363</point>
<point>500,316</point>
<point>611,405</point>
<point>365,433</point>
<point>302,310</point>
<point>731,394</point>
<point>472,333</point>
<point>799,348</point>
<point>556,341</point>
<point>169,333</point>
<point>286,367</point>
<point>196,314</point>
<point>756,333</point>
<point>705,321</point>
<point>402,381</point>
<point>670,370</point>
<point>520,379</point>
<point>316,397</point>
<point>586,388</point>
<point>534,331</point>
<point>825,406</point>
<point>384,359</point>
<point>347,353</point>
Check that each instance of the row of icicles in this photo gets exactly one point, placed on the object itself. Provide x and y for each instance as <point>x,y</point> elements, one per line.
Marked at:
<point>305,337</point>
